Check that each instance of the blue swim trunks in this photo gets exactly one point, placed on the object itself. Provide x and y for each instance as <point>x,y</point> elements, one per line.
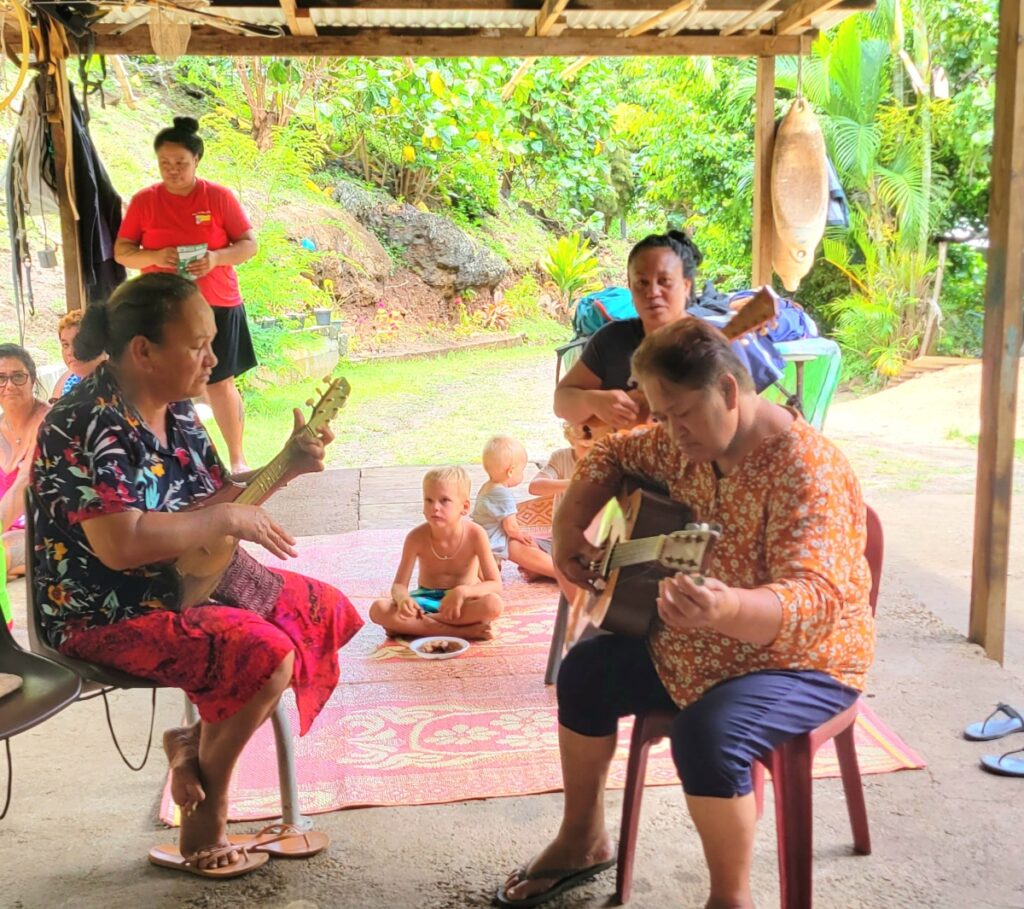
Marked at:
<point>429,598</point>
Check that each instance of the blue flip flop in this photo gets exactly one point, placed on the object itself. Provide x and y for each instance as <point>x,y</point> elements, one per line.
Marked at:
<point>563,880</point>
<point>995,726</point>
<point>1005,764</point>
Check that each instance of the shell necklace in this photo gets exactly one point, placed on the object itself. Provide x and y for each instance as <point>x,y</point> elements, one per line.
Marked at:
<point>458,546</point>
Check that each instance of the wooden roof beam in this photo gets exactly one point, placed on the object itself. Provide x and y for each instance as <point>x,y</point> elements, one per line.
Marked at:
<point>749,17</point>
<point>299,22</point>
<point>640,28</point>
<point>798,17</point>
<point>549,19</point>
<point>211,42</point>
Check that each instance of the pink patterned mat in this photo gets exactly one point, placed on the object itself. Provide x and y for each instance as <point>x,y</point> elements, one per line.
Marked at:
<point>400,730</point>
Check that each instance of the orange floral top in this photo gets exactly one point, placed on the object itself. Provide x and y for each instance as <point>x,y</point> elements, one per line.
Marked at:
<point>793,521</point>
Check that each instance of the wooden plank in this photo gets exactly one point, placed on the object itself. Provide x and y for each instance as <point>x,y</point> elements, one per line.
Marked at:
<point>1004,292</point>
<point>375,43</point>
<point>764,140</point>
<point>749,17</point>
<point>657,19</point>
<point>547,17</point>
<point>798,17</point>
<point>298,20</point>
<point>64,165</point>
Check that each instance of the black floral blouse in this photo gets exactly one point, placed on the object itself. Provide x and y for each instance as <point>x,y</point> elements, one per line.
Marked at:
<point>96,457</point>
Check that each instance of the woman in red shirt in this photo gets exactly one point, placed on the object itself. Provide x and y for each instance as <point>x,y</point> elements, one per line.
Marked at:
<point>198,229</point>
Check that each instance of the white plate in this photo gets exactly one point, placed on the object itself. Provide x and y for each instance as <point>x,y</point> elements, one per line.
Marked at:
<point>417,647</point>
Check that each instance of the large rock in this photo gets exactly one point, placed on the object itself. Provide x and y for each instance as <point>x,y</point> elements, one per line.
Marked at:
<point>432,247</point>
<point>359,201</point>
<point>435,249</point>
<point>352,258</point>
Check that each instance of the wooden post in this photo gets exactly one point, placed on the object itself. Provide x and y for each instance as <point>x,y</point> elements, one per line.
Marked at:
<point>764,141</point>
<point>58,105</point>
<point>1004,292</point>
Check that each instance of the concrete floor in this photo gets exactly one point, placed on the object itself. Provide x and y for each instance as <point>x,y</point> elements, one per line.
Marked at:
<point>948,836</point>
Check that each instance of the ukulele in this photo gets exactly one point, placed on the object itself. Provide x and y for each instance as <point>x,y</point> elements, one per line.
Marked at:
<point>199,571</point>
<point>758,311</point>
<point>645,537</point>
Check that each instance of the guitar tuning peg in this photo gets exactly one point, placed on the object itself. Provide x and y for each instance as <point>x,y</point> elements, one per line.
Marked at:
<point>326,380</point>
<point>309,402</point>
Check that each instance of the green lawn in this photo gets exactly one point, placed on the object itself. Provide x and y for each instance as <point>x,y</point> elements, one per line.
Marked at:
<point>422,411</point>
<point>972,439</point>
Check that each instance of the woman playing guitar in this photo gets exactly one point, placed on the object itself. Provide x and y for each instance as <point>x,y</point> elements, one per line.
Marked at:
<point>118,462</point>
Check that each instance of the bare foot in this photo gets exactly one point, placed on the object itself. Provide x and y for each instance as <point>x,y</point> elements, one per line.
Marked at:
<point>205,829</point>
<point>481,631</point>
<point>182,748</point>
<point>557,856</point>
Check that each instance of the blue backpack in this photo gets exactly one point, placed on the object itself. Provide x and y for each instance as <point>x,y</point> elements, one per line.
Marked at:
<point>601,307</point>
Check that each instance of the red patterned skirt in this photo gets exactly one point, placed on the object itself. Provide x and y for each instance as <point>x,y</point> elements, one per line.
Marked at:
<point>222,656</point>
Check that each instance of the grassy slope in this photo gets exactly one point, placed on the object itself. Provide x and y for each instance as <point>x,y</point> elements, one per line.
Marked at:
<point>422,411</point>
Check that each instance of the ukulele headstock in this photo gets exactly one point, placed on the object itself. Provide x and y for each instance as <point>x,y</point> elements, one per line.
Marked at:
<point>331,401</point>
<point>688,550</point>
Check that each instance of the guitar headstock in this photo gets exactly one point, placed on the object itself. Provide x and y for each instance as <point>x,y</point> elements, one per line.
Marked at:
<point>331,401</point>
<point>688,550</point>
<point>759,310</point>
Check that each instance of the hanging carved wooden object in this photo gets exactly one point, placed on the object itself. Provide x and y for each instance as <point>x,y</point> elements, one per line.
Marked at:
<point>799,193</point>
<point>169,31</point>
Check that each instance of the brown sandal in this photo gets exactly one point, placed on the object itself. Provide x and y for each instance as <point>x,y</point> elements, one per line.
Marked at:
<point>284,841</point>
<point>171,857</point>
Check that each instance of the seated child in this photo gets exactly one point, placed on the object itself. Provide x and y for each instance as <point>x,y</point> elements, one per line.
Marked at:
<point>459,583</point>
<point>504,460</point>
<point>554,477</point>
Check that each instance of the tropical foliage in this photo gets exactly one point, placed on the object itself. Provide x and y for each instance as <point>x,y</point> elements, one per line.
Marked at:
<point>626,147</point>
<point>573,268</point>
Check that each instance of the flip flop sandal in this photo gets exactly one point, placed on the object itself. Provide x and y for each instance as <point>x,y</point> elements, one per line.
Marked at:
<point>995,726</point>
<point>284,841</point>
<point>564,880</point>
<point>171,857</point>
<point>1005,764</point>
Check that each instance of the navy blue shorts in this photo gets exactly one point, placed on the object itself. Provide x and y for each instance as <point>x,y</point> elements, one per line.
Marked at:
<point>716,739</point>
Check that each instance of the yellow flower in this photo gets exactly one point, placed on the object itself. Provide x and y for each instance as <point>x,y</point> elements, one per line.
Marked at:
<point>57,594</point>
<point>437,85</point>
<point>483,137</point>
<point>59,551</point>
<point>408,154</point>
<point>158,469</point>
<point>597,147</point>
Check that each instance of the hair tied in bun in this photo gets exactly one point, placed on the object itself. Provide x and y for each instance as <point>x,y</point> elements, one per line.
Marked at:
<point>187,124</point>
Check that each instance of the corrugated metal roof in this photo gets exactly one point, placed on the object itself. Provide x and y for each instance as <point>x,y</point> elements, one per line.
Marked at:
<point>711,21</point>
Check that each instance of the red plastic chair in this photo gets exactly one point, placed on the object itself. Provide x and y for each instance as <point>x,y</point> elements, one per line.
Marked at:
<point>790,766</point>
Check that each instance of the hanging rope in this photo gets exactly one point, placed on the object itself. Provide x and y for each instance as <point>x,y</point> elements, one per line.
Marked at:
<point>25,30</point>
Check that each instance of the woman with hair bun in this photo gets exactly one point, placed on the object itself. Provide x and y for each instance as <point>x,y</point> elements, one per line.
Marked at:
<point>116,466</point>
<point>188,225</point>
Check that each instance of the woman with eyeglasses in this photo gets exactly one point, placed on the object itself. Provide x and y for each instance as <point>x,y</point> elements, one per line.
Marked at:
<point>22,414</point>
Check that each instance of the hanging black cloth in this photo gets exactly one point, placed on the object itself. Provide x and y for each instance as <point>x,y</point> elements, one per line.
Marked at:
<point>99,213</point>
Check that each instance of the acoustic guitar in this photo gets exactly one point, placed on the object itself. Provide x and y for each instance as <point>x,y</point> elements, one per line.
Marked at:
<point>198,571</point>
<point>758,311</point>
<point>645,537</point>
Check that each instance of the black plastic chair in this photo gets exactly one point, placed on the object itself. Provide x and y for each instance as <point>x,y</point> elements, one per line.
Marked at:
<point>98,680</point>
<point>46,689</point>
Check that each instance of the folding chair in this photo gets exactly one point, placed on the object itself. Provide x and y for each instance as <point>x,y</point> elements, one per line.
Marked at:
<point>46,689</point>
<point>98,680</point>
